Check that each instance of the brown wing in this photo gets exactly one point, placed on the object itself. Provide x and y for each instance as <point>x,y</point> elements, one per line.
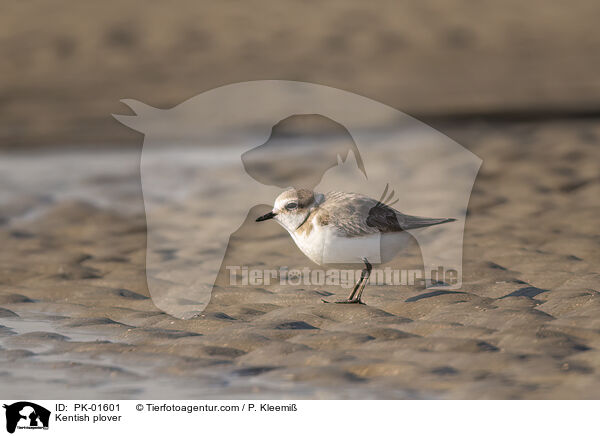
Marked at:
<point>358,215</point>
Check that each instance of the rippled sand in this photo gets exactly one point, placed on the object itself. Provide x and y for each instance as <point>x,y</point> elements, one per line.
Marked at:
<point>77,321</point>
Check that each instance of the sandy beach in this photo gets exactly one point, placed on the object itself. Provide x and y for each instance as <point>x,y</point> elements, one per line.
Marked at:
<point>77,320</point>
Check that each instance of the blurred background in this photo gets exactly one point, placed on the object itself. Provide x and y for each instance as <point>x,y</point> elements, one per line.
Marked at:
<point>66,64</point>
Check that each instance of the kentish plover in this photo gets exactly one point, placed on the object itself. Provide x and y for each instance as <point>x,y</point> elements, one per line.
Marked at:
<point>344,228</point>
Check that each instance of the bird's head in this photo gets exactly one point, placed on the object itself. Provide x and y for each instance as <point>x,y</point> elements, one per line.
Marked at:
<point>292,207</point>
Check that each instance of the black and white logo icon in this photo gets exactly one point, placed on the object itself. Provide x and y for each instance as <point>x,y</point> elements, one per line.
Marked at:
<point>26,415</point>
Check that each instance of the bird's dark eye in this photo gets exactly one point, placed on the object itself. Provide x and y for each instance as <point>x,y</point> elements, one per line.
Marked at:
<point>291,206</point>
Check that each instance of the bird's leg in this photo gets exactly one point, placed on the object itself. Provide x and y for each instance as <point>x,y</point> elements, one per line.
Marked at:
<point>354,297</point>
<point>357,285</point>
<point>360,285</point>
<point>364,283</point>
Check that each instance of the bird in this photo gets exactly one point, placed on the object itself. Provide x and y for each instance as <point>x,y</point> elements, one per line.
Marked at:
<point>341,228</point>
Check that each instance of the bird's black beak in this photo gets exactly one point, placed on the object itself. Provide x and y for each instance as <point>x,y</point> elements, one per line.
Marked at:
<point>266,216</point>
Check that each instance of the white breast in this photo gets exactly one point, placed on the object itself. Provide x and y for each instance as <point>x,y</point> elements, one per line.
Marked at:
<point>312,244</point>
<point>325,246</point>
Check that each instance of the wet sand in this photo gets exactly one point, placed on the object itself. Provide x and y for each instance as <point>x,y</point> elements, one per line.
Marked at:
<point>77,321</point>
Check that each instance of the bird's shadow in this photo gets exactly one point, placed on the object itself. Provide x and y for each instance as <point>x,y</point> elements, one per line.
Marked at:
<point>431,294</point>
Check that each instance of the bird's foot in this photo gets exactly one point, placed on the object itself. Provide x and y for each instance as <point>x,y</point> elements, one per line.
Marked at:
<point>353,301</point>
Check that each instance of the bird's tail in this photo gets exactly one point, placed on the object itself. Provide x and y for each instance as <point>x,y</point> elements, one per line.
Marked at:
<point>408,222</point>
